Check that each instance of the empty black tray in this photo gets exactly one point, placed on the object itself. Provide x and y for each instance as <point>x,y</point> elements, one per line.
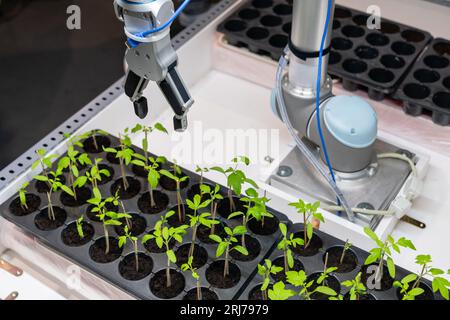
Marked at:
<point>427,86</point>
<point>375,59</point>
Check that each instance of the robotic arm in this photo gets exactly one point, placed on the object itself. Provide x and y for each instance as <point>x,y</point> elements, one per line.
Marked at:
<point>151,57</point>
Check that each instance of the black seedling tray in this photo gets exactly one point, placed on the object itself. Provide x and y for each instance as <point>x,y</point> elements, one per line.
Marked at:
<point>375,59</point>
<point>110,271</point>
<point>314,264</point>
<point>427,87</point>
<point>262,26</point>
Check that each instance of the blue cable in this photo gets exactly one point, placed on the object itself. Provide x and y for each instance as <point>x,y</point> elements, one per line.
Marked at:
<point>143,34</point>
<point>318,86</point>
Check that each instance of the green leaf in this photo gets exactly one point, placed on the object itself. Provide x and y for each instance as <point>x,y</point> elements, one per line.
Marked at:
<point>391,266</point>
<point>239,230</point>
<point>325,290</point>
<point>406,243</point>
<point>290,259</point>
<point>221,248</point>
<point>241,250</point>
<point>372,235</point>
<point>40,178</point>
<point>235,214</point>
<point>122,241</point>
<point>416,292</point>
<point>280,293</point>
<point>373,257</point>
<point>215,238</point>
<point>171,256</point>
<point>160,127</point>
<point>283,229</point>
<point>67,190</point>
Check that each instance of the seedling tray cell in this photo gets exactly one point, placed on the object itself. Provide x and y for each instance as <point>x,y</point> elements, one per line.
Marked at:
<point>375,59</point>
<point>156,262</point>
<point>427,86</point>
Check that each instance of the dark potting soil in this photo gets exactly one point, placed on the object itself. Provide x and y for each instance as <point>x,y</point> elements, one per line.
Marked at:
<point>70,235</point>
<point>43,222</point>
<point>137,225</point>
<point>256,294</point>
<point>93,215</point>
<point>43,187</point>
<point>214,275</point>
<point>223,208</point>
<point>139,171</point>
<point>349,263</point>
<point>170,184</point>
<point>331,282</point>
<point>269,227</point>
<point>174,220</point>
<point>83,195</point>
<point>195,189</point>
<point>251,244</point>
<point>98,254</point>
<point>368,277</point>
<point>203,233</point>
<point>279,262</point>
<point>152,247</point>
<point>200,255</point>
<point>158,284</point>
<point>207,295</point>
<point>33,203</point>
<point>426,295</point>
<point>102,142</point>
<point>134,187</point>
<point>362,297</point>
<point>105,179</point>
<point>313,248</point>
<point>127,267</point>
<point>161,202</point>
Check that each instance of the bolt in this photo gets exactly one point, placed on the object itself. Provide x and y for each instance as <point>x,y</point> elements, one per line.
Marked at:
<point>405,153</point>
<point>365,205</point>
<point>284,171</point>
<point>269,159</point>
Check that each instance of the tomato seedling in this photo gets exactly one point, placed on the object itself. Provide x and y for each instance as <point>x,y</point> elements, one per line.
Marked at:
<point>134,240</point>
<point>23,195</point>
<point>410,285</point>
<point>151,166</point>
<point>285,244</point>
<point>256,209</point>
<point>265,271</point>
<point>163,236</point>
<point>357,288</point>
<point>188,266</point>
<point>53,179</point>
<point>214,196</point>
<point>147,130</point>
<point>178,180</point>
<point>198,219</point>
<point>124,154</point>
<point>235,178</point>
<point>225,245</point>
<point>309,212</point>
<point>384,251</point>
<point>108,218</point>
